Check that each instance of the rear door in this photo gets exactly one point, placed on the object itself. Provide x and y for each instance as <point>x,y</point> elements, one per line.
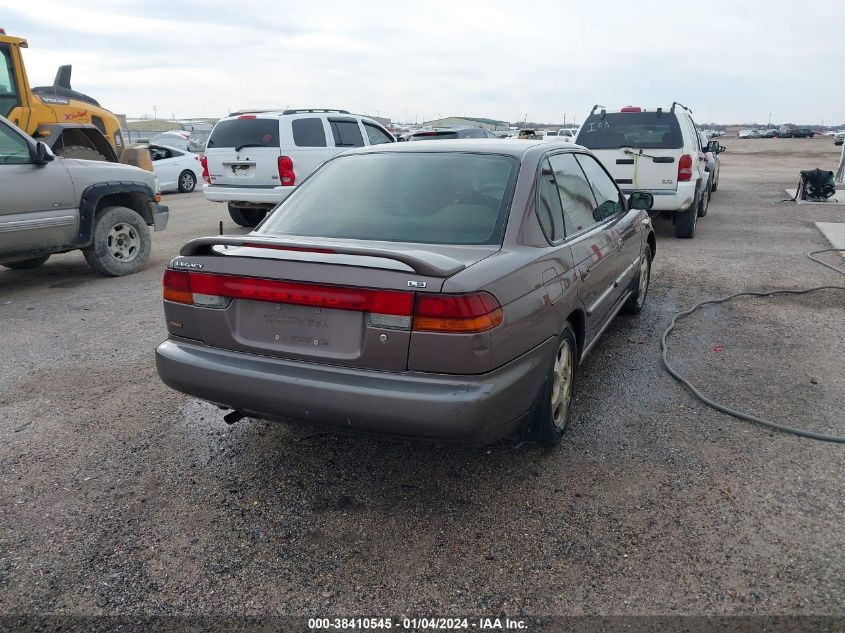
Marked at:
<point>641,150</point>
<point>38,204</point>
<point>244,152</point>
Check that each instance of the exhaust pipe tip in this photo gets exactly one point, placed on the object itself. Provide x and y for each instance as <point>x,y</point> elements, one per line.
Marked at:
<point>233,416</point>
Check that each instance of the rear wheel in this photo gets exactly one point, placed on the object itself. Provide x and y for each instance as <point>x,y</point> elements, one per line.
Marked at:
<point>685,221</point>
<point>187,181</point>
<point>79,151</point>
<point>704,203</point>
<point>247,217</point>
<point>636,302</point>
<point>27,264</point>
<point>121,244</point>
<point>553,409</point>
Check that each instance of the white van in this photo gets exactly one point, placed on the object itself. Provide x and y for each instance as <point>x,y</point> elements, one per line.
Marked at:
<point>254,160</point>
<point>658,151</point>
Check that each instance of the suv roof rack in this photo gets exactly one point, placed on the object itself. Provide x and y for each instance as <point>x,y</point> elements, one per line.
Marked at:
<point>314,110</point>
<point>254,111</point>
<point>674,103</point>
<point>593,111</point>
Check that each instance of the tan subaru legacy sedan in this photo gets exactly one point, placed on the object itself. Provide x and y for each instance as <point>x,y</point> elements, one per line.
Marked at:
<point>439,289</point>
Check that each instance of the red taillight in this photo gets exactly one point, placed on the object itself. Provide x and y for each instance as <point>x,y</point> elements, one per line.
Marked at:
<point>632,109</point>
<point>460,314</point>
<point>468,313</point>
<point>247,116</point>
<point>286,173</point>
<point>336,297</point>
<point>176,287</point>
<point>205,176</point>
<point>685,168</point>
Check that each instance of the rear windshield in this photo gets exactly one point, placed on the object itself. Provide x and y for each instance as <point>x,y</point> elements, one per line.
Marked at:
<point>432,198</point>
<point>433,136</point>
<point>245,133</point>
<point>631,129</point>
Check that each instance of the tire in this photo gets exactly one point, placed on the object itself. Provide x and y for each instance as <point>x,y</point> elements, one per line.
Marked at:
<point>121,244</point>
<point>79,151</point>
<point>636,302</point>
<point>685,221</point>
<point>553,408</point>
<point>247,217</point>
<point>27,264</point>
<point>187,181</point>
<point>704,204</point>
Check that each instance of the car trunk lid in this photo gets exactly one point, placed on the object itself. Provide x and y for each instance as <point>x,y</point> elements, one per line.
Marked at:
<point>329,301</point>
<point>244,152</point>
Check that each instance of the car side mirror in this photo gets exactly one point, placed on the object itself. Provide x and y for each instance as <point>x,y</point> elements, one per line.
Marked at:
<point>43,154</point>
<point>641,200</point>
<point>713,147</point>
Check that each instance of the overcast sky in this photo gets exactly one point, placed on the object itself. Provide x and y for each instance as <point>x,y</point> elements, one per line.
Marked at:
<point>422,60</point>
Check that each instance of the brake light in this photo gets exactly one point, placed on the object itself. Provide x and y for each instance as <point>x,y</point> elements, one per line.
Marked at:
<point>685,168</point>
<point>465,314</point>
<point>247,116</point>
<point>205,175</point>
<point>177,287</point>
<point>286,173</point>
<point>632,109</point>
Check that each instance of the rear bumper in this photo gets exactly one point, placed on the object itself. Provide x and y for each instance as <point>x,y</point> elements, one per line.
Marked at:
<point>476,408</point>
<point>250,195</point>
<point>678,199</point>
<point>161,215</point>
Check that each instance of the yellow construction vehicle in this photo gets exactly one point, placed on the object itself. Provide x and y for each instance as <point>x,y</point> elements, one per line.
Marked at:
<point>70,123</point>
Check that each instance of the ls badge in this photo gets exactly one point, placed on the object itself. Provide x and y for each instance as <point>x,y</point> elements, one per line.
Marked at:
<point>416,284</point>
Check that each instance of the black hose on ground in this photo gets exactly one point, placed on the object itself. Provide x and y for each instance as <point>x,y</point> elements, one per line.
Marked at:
<point>734,412</point>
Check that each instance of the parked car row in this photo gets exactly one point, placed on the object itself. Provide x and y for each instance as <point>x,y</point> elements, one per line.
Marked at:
<point>785,131</point>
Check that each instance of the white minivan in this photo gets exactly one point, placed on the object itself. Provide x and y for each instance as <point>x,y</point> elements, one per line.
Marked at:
<point>254,160</point>
<point>658,151</point>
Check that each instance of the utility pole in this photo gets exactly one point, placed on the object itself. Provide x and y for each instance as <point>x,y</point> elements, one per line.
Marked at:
<point>155,113</point>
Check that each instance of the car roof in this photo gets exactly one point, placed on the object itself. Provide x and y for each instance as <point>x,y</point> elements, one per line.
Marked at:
<point>507,147</point>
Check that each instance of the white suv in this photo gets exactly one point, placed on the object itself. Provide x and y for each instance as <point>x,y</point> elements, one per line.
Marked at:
<point>254,160</point>
<point>658,151</point>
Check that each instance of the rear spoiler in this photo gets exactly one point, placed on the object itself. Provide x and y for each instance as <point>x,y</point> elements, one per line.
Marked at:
<point>422,262</point>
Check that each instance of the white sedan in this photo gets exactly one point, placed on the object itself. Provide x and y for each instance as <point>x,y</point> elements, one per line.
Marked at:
<point>177,169</point>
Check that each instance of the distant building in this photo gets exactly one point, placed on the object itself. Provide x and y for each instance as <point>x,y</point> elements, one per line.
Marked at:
<point>467,121</point>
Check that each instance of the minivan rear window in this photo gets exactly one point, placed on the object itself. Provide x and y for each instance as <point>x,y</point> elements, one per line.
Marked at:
<point>425,197</point>
<point>243,132</point>
<point>647,130</point>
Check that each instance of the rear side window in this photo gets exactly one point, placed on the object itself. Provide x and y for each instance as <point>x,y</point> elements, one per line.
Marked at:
<point>430,197</point>
<point>549,211</point>
<point>376,135</point>
<point>245,133</point>
<point>346,133</point>
<point>648,130</point>
<point>308,132</point>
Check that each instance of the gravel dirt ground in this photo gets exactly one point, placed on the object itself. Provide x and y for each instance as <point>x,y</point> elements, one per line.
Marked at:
<point>120,496</point>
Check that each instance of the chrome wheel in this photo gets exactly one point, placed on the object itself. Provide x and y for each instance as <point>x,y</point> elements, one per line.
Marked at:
<point>562,378</point>
<point>124,243</point>
<point>187,182</point>
<point>645,271</point>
